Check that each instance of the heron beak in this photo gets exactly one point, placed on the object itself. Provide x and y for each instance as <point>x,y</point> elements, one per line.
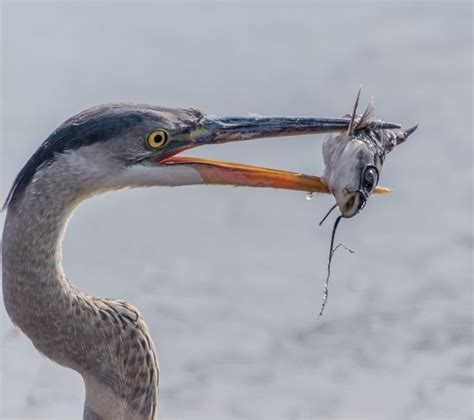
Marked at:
<point>212,130</point>
<point>217,130</point>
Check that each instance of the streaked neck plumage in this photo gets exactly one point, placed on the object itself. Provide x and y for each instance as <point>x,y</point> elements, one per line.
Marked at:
<point>105,340</point>
<point>34,283</point>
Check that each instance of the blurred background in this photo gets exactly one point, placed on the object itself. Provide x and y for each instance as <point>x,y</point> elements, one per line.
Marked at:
<point>230,280</point>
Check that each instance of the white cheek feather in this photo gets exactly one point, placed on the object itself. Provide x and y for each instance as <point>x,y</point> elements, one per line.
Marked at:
<point>148,176</point>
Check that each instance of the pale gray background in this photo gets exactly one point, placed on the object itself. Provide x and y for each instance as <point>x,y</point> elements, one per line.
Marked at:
<point>230,280</point>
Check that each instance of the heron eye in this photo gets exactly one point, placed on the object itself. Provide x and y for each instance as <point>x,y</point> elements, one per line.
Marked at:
<point>157,139</point>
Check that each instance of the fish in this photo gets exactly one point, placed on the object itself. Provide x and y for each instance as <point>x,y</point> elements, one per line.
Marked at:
<point>353,163</point>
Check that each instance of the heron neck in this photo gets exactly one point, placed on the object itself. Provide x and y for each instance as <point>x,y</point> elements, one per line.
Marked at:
<point>64,323</point>
<point>34,284</point>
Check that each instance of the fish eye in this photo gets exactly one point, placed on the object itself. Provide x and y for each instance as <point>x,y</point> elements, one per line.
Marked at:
<point>369,179</point>
<point>157,139</point>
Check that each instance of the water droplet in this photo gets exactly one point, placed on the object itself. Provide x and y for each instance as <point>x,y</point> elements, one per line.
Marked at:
<point>309,195</point>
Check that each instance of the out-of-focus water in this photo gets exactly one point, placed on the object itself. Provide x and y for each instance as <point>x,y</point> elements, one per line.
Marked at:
<point>230,280</point>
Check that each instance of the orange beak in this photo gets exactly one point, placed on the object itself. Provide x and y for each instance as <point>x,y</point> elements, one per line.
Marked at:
<point>226,173</point>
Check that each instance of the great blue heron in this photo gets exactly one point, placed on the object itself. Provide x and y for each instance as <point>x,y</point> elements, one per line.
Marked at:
<point>106,148</point>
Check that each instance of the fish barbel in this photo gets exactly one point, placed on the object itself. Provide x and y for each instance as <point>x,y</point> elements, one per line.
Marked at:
<point>353,163</point>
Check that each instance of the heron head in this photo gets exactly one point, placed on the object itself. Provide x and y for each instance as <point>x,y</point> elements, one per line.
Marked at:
<point>131,145</point>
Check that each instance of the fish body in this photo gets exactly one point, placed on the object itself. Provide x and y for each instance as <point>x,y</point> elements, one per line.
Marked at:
<point>354,159</point>
<point>353,163</point>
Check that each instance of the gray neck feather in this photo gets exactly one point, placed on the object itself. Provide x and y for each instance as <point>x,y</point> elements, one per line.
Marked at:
<point>35,289</point>
<point>61,321</point>
<point>34,283</point>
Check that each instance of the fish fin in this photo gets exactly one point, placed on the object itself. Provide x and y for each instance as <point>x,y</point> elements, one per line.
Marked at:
<point>367,116</point>
<point>350,130</point>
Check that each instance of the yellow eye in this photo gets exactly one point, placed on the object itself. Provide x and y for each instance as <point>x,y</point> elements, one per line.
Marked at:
<point>157,139</point>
